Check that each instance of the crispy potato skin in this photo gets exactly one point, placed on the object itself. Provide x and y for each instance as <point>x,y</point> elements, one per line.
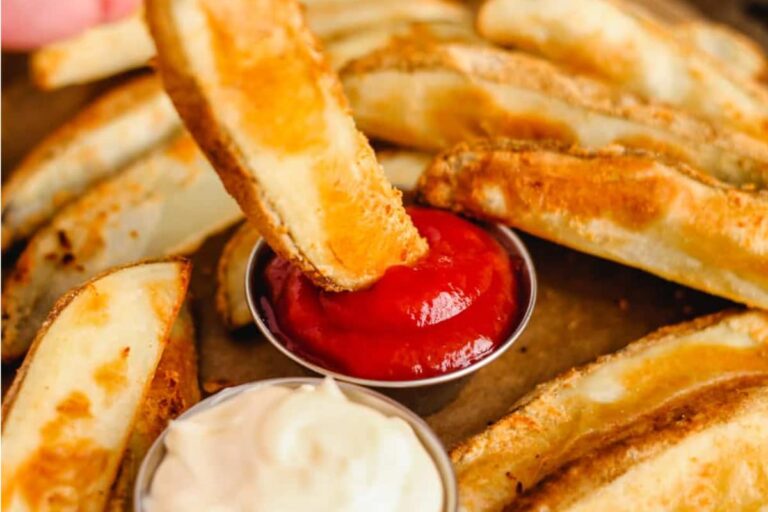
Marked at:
<point>330,21</point>
<point>63,434</point>
<point>350,224</point>
<point>230,274</point>
<point>730,47</point>
<point>98,52</point>
<point>118,128</point>
<point>613,41</point>
<point>629,206</point>
<point>173,390</point>
<point>433,95</point>
<point>402,168</point>
<point>581,431</point>
<point>113,48</point>
<point>121,220</point>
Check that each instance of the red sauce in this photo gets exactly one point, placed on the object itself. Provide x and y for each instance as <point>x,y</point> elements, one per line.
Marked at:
<point>449,310</point>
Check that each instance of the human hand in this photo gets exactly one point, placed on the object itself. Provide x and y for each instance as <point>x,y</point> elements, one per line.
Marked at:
<point>27,24</point>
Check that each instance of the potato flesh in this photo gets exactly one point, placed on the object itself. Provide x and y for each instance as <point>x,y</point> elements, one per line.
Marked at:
<point>70,410</point>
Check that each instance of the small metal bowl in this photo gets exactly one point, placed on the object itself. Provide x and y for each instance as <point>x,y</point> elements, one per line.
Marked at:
<point>443,387</point>
<point>356,394</point>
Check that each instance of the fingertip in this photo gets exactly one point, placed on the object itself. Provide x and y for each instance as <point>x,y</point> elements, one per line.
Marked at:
<point>28,24</point>
<point>115,9</point>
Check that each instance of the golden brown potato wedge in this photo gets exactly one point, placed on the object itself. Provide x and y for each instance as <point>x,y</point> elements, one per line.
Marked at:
<point>731,48</point>
<point>69,412</point>
<point>99,52</point>
<point>351,46</point>
<point>709,455</point>
<point>625,205</point>
<point>728,46</point>
<point>329,20</point>
<point>230,291</point>
<point>123,45</point>
<point>664,11</point>
<point>116,129</point>
<point>165,204</point>
<point>255,92</point>
<point>675,421</point>
<point>608,39</point>
<point>432,96</point>
<point>173,390</point>
<point>402,168</point>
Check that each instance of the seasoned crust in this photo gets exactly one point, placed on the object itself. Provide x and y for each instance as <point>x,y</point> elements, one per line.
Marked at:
<point>434,95</point>
<point>626,205</point>
<point>609,401</point>
<point>349,224</point>
<point>334,20</point>
<point>126,218</point>
<point>112,48</point>
<point>402,168</point>
<point>613,41</point>
<point>732,48</point>
<point>638,471</point>
<point>231,303</point>
<point>97,52</point>
<point>65,426</point>
<point>345,49</point>
<point>63,302</point>
<point>173,390</point>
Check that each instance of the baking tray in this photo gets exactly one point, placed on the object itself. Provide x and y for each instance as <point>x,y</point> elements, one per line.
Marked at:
<point>586,306</point>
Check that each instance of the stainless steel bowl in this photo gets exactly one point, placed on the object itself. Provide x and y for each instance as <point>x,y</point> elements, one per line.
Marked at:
<point>262,254</point>
<point>357,394</point>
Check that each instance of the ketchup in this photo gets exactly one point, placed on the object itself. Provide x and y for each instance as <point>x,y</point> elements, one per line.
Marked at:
<point>449,310</point>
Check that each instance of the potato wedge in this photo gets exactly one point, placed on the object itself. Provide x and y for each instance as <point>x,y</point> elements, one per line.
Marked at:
<point>165,204</point>
<point>625,205</point>
<point>731,48</point>
<point>664,11</point>
<point>230,290</point>
<point>116,129</point>
<point>98,52</point>
<point>123,45</point>
<point>683,434</point>
<point>349,47</point>
<point>255,92</point>
<point>402,168</point>
<point>608,39</point>
<point>173,390</point>
<point>69,412</point>
<point>432,96</point>
<point>329,20</point>
<point>709,455</point>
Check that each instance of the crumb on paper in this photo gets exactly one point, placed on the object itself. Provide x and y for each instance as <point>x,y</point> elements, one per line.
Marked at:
<point>215,385</point>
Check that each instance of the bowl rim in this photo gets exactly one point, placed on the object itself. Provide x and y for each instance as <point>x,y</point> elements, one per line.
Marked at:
<point>509,240</point>
<point>357,394</point>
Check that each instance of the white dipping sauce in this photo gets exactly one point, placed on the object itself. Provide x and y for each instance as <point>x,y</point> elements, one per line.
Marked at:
<point>306,449</point>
